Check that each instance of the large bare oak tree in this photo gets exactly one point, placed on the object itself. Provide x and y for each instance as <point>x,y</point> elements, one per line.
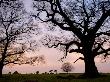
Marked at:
<point>87,19</point>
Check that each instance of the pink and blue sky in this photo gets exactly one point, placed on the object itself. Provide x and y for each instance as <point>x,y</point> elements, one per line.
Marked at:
<point>52,56</point>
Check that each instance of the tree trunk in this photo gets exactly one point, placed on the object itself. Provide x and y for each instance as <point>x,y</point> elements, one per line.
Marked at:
<point>1,68</point>
<point>90,67</point>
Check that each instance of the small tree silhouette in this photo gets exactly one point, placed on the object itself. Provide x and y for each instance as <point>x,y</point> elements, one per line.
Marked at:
<point>9,73</point>
<point>16,72</point>
<point>67,67</point>
<point>45,73</point>
<point>55,71</point>
<point>37,72</point>
<point>51,71</point>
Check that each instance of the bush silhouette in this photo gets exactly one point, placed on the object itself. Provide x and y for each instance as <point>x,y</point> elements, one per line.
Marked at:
<point>16,72</point>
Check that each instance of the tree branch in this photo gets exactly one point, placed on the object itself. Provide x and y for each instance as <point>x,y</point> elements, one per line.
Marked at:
<point>104,51</point>
<point>100,22</point>
<point>67,19</point>
<point>103,33</point>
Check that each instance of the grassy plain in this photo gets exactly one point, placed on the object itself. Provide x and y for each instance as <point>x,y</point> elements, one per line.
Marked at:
<point>51,78</point>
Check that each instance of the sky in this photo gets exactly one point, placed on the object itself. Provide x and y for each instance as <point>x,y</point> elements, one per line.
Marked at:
<point>52,56</point>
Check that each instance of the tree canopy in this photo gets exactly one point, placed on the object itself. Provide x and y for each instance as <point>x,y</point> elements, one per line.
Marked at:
<point>15,27</point>
<point>88,20</point>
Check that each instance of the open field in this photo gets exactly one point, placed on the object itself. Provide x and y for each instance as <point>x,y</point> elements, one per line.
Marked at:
<point>50,78</point>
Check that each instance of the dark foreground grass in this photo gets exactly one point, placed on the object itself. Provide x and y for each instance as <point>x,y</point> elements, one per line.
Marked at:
<point>51,78</point>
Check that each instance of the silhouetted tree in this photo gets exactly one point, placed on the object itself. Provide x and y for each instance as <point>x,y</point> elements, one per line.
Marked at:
<point>13,28</point>
<point>50,71</point>
<point>9,73</point>
<point>87,20</point>
<point>45,73</point>
<point>37,72</point>
<point>67,67</point>
<point>55,71</point>
<point>16,72</point>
